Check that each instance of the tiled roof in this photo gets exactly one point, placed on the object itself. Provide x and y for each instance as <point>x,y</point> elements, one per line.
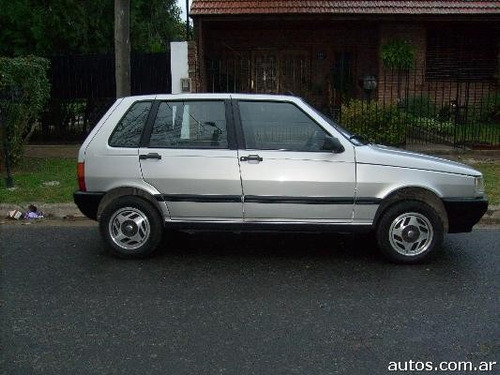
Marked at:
<point>275,7</point>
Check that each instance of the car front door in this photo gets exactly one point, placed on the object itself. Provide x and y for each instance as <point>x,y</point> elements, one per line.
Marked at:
<point>287,175</point>
<point>190,157</point>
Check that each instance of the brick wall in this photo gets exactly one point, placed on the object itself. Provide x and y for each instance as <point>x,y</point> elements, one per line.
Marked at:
<point>194,73</point>
<point>326,49</point>
<point>333,56</point>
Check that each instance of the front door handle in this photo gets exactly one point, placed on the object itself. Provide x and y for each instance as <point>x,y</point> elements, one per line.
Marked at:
<point>151,155</point>
<point>256,158</point>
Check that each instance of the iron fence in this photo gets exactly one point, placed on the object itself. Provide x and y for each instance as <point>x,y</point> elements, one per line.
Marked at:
<point>83,88</point>
<point>461,111</point>
<point>417,106</point>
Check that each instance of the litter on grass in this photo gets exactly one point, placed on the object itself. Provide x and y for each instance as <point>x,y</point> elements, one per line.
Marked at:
<point>15,214</point>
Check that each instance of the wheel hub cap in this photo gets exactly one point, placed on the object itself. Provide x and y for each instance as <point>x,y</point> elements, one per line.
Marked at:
<point>411,234</point>
<point>129,228</point>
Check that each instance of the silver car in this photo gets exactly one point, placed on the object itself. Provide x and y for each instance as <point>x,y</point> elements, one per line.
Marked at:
<point>262,162</point>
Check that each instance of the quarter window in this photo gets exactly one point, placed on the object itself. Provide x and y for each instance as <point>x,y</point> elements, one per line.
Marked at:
<point>279,126</point>
<point>190,124</point>
<point>128,132</point>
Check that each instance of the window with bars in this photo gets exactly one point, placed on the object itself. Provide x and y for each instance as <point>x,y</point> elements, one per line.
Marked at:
<point>464,54</point>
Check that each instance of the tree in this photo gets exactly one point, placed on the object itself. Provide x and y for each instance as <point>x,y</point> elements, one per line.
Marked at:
<point>24,91</point>
<point>45,27</point>
<point>154,24</point>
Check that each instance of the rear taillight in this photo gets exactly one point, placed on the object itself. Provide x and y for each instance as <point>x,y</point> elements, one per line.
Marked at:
<point>80,172</point>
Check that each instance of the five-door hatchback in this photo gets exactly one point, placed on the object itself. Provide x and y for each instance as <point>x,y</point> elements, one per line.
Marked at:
<point>262,162</point>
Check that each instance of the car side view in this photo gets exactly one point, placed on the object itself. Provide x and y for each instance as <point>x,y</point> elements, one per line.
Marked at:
<point>262,162</point>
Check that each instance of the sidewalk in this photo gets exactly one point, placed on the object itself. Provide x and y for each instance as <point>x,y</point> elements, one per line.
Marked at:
<point>69,211</point>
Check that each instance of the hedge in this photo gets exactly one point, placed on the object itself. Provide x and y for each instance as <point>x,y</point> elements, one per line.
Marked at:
<point>24,92</point>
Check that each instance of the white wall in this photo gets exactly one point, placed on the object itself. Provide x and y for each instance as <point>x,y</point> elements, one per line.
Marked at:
<point>179,64</point>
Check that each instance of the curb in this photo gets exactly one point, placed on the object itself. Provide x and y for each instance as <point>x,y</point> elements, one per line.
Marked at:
<point>69,211</point>
<point>492,216</point>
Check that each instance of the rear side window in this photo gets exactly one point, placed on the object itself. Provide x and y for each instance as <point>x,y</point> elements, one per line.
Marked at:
<point>129,130</point>
<point>190,124</point>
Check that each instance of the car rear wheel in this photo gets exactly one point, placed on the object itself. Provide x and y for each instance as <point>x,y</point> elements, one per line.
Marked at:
<point>409,231</point>
<point>131,226</point>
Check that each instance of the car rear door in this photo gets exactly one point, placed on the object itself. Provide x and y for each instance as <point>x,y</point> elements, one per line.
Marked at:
<point>286,174</point>
<point>191,158</point>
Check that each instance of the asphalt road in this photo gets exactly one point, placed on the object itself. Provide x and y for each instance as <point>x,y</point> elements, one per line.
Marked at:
<point>219,303</point>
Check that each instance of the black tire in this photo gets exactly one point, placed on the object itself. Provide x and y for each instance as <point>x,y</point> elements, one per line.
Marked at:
<point>131,226</point>
<point>409,232</point>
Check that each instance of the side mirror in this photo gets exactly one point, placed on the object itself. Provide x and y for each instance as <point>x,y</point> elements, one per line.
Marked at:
<point>333,144</point>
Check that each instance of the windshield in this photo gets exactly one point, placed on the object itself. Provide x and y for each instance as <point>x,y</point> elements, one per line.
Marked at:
<point>357,140</point>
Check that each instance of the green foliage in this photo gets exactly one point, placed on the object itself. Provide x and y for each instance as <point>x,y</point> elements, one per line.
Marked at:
<point>491,172</point>
<point>420,106</point>
<point>375,122</point>
<point>398,54</point>
<point>25,88</point>
<point>422,113</point>
<point>83,27</point>
<point>154,24</point>
<point>431,125</point>
<point>490,109</point>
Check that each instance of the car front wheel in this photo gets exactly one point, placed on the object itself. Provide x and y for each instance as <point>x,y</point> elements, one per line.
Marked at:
<point>131,226</point>
<point>409,231</point>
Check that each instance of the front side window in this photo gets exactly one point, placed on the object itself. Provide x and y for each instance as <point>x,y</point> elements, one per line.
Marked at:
<point>128,132</point>
<point>279,126</point>
<point>190,124</point>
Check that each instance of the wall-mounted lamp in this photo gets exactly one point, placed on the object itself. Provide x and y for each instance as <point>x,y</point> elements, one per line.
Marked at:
<point>369,83</point>
<point>321,55</point>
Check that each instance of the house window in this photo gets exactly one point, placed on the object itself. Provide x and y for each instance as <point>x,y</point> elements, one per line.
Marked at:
<point>464,54</point>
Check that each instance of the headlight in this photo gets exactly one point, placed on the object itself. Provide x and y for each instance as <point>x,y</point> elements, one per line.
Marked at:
<point>479,185</point>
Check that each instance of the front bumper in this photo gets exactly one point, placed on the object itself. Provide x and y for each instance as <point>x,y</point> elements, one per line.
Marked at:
<point>463,214</point>
<point>88,203</point>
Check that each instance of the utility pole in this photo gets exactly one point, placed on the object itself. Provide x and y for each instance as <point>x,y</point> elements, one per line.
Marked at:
<point>122,47</point>
<point>187,20</point>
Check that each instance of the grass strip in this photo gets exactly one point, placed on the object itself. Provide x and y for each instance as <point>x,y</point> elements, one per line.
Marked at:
<point>41,180</point>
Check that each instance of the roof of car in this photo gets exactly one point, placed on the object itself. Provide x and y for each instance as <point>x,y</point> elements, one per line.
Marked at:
<point>220,96</point>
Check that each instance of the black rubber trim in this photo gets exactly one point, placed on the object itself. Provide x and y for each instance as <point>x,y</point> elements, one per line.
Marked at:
<point>264,199</point>
<point>198,198</point>
<point>368,201</point>
<point>464,213</point>
<point>310,200</point>
<point>88,203</point>
<point>230,125</point>
<point>148,129</point>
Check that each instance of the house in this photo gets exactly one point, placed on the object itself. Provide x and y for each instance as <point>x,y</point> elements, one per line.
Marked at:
<point>331,51</point>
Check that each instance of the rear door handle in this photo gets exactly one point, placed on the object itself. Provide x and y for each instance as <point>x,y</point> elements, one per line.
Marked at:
<point>256,158</point>
<point>151,155</point>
